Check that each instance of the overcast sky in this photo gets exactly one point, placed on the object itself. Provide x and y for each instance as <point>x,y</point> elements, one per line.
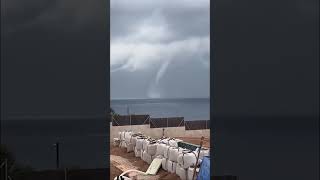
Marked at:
<point>159,49</point>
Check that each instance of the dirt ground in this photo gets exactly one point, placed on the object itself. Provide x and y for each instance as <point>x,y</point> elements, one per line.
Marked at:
<point>114,171</point>
<point>121,160</point>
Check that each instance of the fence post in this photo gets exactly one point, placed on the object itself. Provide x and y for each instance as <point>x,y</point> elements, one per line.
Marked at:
<point>167,123</point>
<point>6,169</point>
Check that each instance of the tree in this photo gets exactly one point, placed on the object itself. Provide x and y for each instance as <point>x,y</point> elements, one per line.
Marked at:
<point>14,169</point>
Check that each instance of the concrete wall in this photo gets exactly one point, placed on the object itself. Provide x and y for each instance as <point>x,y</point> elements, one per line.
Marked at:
<point>157,132</point>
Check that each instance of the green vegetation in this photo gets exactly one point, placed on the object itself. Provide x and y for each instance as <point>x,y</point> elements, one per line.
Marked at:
<point>15,170</point>
<point>113,114</point>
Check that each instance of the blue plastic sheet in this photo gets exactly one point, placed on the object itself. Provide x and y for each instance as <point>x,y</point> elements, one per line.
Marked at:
<point>204,173</point>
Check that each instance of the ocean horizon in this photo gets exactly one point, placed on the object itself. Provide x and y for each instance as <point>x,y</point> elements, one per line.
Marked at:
<point>189,108</point>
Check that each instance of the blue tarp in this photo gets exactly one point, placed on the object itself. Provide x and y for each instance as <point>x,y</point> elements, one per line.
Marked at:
<point>204,173</point>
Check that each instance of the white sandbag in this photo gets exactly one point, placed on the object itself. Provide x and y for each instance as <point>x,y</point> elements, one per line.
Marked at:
<point>127,136</point>
<point>137,152</point>
<point>173,143</point>
<point>190,173</point>
<point>119,135</point>
<point>139,143</point>
<point>166,151</point>
<point>164,141</point>
<point>181,172</point>
<point>152,148</point>
<point>130,147</point>
<point>160,148</point>
<point>187,159</point>
<point>146,157</point>
<point>203,152</point>
<point>145,144</point>
<point>122,135</point>
<point>164,164</point>
<point>173,153</point>
<point>134,139</point>
<point>171,166</point>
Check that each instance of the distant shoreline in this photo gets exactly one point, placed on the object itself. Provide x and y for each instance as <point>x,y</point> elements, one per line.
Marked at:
<point>117,99</point>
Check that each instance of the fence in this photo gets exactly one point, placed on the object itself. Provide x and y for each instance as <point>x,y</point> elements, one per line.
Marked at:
<point>199,124</point>
<point>128,120</point>
<point>166,122</point>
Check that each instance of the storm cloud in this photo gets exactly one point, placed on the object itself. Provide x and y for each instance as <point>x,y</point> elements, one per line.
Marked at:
<point>159,49</point>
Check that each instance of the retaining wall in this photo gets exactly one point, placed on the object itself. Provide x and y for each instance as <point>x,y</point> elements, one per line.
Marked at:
<point>157,132</point>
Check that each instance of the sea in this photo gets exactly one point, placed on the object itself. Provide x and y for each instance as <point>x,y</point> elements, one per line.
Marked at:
<point>189,108</point>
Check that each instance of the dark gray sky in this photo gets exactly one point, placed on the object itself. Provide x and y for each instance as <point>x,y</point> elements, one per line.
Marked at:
<point>159,49</point>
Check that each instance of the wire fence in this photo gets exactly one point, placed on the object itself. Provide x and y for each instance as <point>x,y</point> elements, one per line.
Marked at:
<point>128,120</point>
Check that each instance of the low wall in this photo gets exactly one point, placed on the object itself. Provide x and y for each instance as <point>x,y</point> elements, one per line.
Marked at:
<point>157,132</point>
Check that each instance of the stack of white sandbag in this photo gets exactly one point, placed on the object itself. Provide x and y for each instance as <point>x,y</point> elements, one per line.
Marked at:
<point>186,159</point>
<point>185,174</point>
<point>186,162</point>
<point>122,137</point>
<point>139,146</point>
<point>174,159</point>
<point>131,139</point>
<point>168,147</point>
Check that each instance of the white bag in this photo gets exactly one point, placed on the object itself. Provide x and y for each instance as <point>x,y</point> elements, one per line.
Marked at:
<point>173,143</point>
<point>173,153</point>
<point>127,136</point>
<point>130,147</point>
<point>145,144</point>
<point>146,157</point>
<point>187,158</point>
<point>181,172</point>
<point>165,141</point>
<point>119,135</point>
<point>160,149</point>
<point>166,151</point>
<point>164,164</point>
<point>122,135</point>
<point>134,139</point>
<point>139,143</point>
<point>137,152</point>
<point>152,148</point>
<point>190,173</point>
<point>171,166</point>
